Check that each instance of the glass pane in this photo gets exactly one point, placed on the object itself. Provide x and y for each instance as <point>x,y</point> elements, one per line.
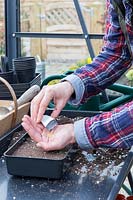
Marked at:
<point>94,13</point>
<point>59,54</point>
<point>61,16</point>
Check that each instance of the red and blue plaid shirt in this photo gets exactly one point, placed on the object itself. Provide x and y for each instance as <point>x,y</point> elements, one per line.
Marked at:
<point>113,128</point>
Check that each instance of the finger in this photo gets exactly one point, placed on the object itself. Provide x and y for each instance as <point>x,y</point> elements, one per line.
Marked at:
<point>38,127</point>
<point>35,103</point>
<point>44,104</point>
<point>45,131</point>
<point>58,108</point>
<point>26,117</point>
<point>49,146</point>
<point>56,111</point>
<point>32,132</point>
<point>26,120</point>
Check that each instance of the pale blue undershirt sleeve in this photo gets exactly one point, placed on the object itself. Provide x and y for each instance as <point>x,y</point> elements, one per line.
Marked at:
<point>81,135</point>
<point>78,86</point>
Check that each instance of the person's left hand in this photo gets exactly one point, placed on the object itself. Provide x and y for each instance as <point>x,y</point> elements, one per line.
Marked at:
<point>33,129</point>
<point>57,139</point>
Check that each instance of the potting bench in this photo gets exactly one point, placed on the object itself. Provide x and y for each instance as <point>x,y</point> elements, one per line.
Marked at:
<point>72,186</point>
<point>95,177</point>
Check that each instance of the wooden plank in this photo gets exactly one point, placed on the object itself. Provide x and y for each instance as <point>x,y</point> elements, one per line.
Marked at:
<point>63,28</point>
<point>67,50</point>
<point>68,42</point>
<point>70,56</point>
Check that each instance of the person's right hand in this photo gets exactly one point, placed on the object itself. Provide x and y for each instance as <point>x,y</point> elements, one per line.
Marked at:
<point>59,93</point>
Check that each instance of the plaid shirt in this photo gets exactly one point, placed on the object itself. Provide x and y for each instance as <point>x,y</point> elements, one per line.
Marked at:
<point>113,128</point>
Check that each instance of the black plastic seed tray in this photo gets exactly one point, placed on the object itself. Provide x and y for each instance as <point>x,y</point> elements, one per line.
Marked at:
<point>39,167</point>
<point>19,88</point>
<point>32,166</point>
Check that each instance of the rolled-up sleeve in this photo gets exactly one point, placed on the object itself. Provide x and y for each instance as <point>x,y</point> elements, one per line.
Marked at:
<point>81,136</point>
<point>79,89</point>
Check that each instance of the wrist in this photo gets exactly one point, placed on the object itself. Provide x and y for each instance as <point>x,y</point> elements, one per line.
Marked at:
<point>69,87</point>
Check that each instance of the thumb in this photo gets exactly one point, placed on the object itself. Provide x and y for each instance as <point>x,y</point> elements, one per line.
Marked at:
<point>58,108</point>
<point>55,113</point>
<point>42,145</point>
<point>47,146</point>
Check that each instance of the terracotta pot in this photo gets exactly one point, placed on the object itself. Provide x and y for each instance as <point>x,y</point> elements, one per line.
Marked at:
<point>130,198</point>
<point>120,197</point>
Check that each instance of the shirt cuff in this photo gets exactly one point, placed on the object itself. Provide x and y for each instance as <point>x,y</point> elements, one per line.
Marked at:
<point>81,135</point>
<point>78,86</point>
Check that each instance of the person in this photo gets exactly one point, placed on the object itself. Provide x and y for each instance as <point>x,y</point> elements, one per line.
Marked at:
<point>112,129</point>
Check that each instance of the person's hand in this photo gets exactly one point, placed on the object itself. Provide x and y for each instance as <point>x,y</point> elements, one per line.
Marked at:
<point>59,93</point>
<point>57,139</point>
<point>33,129</point>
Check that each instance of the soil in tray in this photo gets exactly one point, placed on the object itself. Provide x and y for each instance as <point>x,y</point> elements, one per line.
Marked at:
<point>30,150</point>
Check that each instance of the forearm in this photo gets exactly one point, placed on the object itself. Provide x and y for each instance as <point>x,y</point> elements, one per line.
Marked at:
<point>110,129</point>
<point>109,65</point>
<point>94,78</point>
<point>104,71</point>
